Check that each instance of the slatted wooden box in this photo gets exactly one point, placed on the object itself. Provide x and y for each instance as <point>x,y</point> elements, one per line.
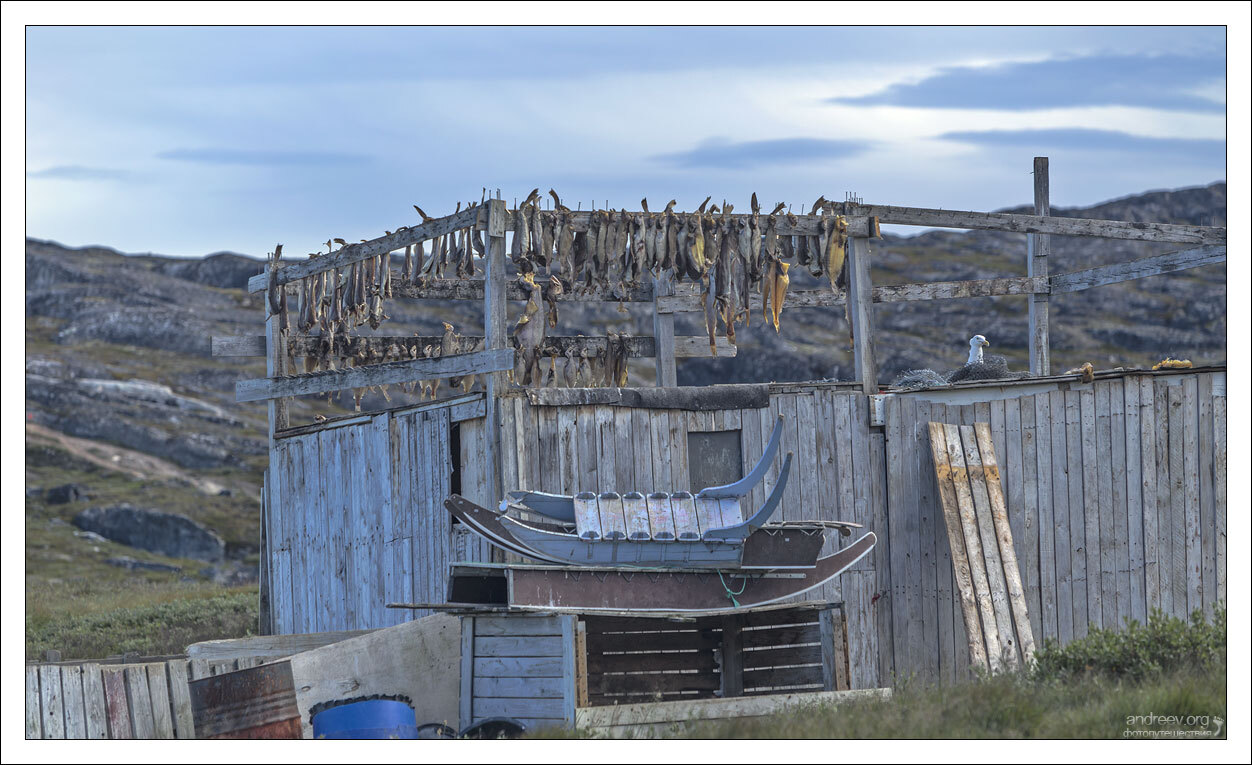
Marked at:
<point>540,669</point>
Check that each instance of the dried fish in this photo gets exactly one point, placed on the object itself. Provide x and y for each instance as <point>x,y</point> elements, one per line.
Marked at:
<point>778,293</point>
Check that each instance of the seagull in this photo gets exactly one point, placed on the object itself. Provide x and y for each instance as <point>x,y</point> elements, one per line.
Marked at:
<point>976,344</point>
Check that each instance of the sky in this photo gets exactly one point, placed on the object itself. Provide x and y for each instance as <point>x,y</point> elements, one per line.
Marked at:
<point>192,140</point>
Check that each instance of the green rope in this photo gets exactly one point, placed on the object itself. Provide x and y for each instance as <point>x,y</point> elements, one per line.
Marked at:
<point>731,593</point>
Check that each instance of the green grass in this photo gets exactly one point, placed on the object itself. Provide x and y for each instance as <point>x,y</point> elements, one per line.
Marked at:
<point>88,619</point>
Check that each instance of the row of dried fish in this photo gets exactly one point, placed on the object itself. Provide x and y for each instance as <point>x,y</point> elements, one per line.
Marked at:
<point>731,257</point>
<point>605,368</point>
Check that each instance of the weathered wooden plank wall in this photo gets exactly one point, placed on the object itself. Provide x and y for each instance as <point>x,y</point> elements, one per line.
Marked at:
<point>1116,494</point>
<point>91,700</point>
<point>836,475</point>
<point>358,520</point>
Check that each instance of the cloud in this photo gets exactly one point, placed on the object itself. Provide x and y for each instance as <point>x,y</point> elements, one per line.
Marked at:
<point>79,173</point>
<point>1164,82</point>
<point>719,153</point>
<point>1041,142</point>
<point>262,157</point>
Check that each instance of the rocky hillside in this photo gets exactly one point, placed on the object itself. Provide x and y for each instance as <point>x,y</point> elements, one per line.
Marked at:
<point>125,403</point>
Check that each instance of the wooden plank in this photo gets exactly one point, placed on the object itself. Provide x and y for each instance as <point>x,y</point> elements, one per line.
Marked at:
<point>1105,531</point>
<point>33,706</point>
<point>517,646</point>
<point>117,703</point>
<point>548,449</point>
<point>786,656</point>
<point>1038,247</point>
<point>516,626</point>
<point>1164,495</point>
<point>990,548</point>
<point>159,691</point>
<point>1147,493</point>
<point>658,435</point>
<point>480,362</point>
<point>954,522</point>
<point>654,683</point>
<point>1137,269</point>
<point>141,717</point>
<point>180,699</point>
<point>1134,501</point>
<point>581,692</point>
<point>645,458</point>
<point>919,650</point>
<point>1091,504</point>
<point>897,493</point>
<point>1041,224</point>
<point>547,708</point>
<point>627,719</point>
<point>512,666</point>
<point>860,309</point>
<point>679,470</point>
<point>1204,439</point>
<point>1219,496</point>
<point>663,331</point>
<point>1004,538</point>
<point>473,289</point>
<point>72,694</point>
<point>606,451</point>
<point>517,687</point>
<point>355,253</point>
<point>1121,521</point>
<point>569,666</point>
<point>96,716</point>
<point>624,451</point>
<point>599,663</point>
<point>51,708</point>
<point>469,671</point>
<point>949,639</point>
<point>1030,516</point>
<point>783,677</point>
<point>1191,494</point>
<point>896,293</point>
<point>1178,500</point>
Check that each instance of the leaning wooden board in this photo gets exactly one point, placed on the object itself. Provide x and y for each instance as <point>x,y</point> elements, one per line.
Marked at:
<point>994,603</point>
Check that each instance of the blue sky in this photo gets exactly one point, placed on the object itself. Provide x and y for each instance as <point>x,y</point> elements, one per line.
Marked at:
<point>189,140</point>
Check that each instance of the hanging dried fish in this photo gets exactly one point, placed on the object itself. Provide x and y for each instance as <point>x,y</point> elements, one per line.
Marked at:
<point>725,272</point>
<point>778,293</point>
<point>274,291</point>
<point>551,295</point>
<point>565,244</point>
<point>638,250</point>
<point>530,330</point>
<point>522,246</point>
<point>708,303</point>
<point>548,239</point>
<point>670,233</point>
<point>648,234</point>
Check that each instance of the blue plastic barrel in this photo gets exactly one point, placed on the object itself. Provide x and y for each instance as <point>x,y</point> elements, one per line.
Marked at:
<point>376,718</point>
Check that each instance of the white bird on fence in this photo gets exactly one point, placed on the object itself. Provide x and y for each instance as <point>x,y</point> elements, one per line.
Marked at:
<point>976,344</point>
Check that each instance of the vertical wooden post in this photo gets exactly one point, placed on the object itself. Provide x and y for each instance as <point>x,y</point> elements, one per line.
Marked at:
<point>663,331</point>
<point>495,311</point>
<point>1037,248</point>
<point>861,311</point>
<point>276,365</point>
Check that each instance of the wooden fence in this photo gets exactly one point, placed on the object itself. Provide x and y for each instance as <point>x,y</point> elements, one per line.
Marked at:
<point>95,700</point>
<point>1116,494</point>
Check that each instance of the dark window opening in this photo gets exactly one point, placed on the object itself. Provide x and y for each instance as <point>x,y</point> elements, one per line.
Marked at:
<point>714,458</point>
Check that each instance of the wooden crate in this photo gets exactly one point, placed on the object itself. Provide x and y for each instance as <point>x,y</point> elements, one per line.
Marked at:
<point>540,669</point>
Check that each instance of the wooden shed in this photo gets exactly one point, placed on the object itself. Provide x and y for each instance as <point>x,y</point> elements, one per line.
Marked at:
<point>1116,486</point>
